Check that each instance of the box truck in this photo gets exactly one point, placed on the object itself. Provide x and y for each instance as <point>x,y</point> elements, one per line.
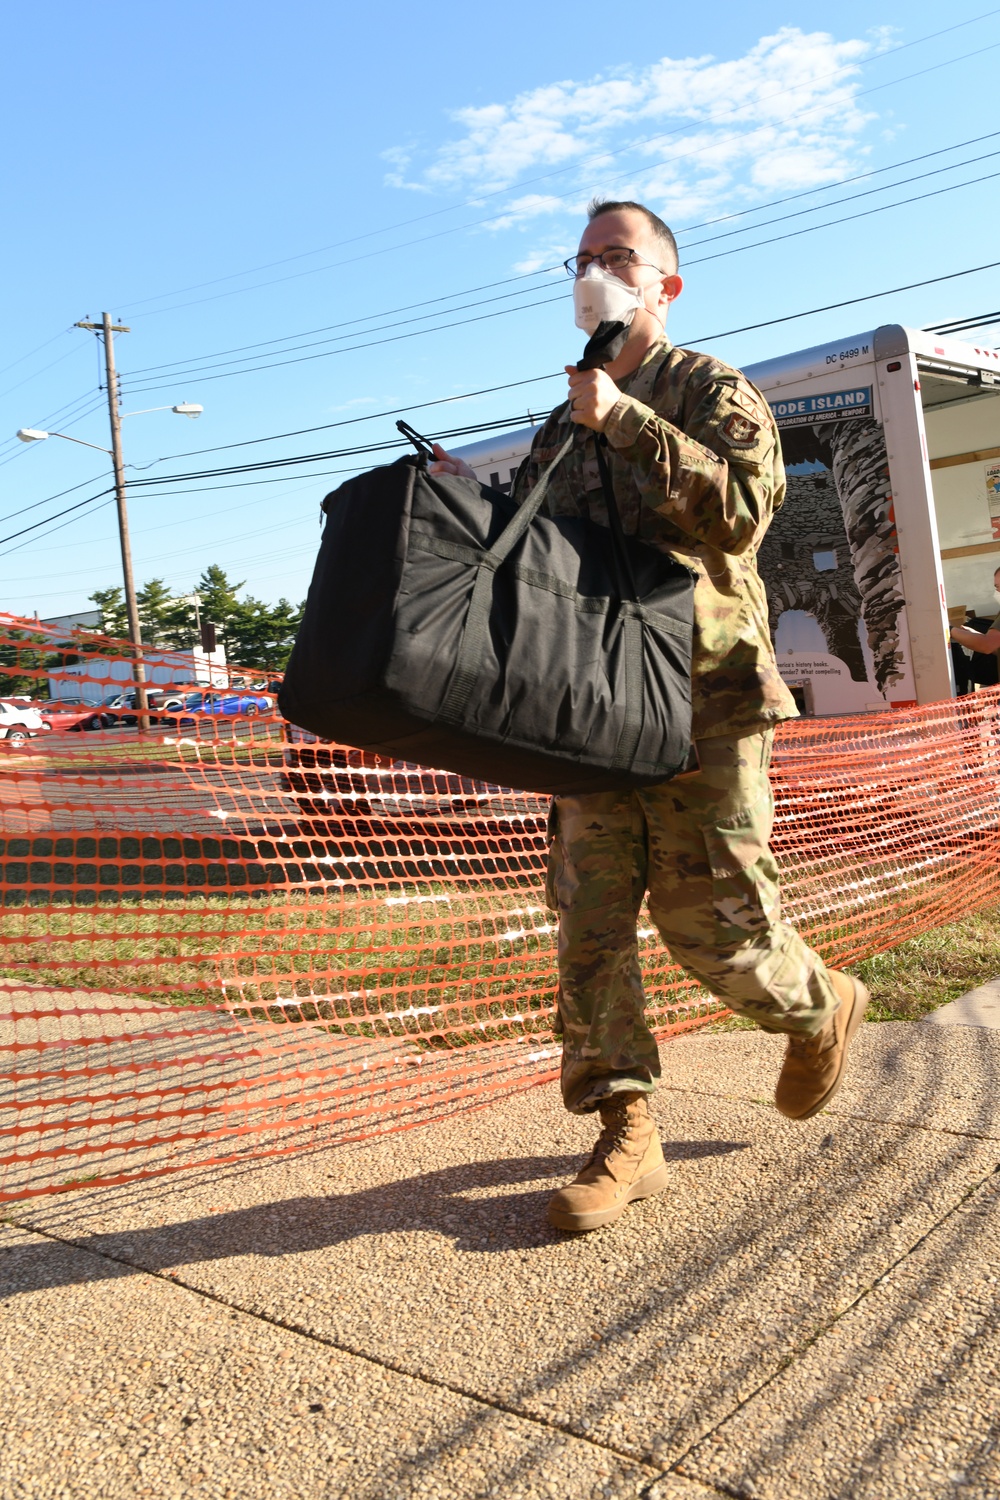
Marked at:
<point>891,442</point>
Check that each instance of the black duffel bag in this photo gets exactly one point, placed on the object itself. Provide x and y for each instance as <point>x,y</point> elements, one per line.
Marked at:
<point>448,626</point>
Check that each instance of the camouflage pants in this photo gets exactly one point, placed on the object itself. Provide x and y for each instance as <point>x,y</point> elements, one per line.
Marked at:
<point>699,845</point>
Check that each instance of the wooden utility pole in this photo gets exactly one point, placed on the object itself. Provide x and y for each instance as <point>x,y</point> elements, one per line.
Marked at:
<point>108,330</point>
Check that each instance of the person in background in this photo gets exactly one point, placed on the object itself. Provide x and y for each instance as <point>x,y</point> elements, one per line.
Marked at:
<point>982,642</point>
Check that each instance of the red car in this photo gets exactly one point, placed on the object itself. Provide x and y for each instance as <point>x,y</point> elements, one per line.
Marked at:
<point>66,716</point>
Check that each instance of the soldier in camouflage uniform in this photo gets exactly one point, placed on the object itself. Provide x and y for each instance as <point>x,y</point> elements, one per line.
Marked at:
<point>696,468</point>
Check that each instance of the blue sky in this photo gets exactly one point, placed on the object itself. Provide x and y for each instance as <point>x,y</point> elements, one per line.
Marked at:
<point>288,204</point>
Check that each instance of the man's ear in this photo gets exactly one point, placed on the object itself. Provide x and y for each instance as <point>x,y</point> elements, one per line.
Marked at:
<point>672,288</point>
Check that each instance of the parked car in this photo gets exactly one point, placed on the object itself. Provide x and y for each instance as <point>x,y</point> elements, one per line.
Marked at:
<point>120,707</point>
<point>229,705</point>
<point>18,723</point>
<point>65,716</point>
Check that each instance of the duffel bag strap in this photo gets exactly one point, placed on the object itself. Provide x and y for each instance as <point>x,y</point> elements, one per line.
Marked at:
<point>628,739</point>
<point>526,512</point>
<point>623,563</point>
<point>477,621</point>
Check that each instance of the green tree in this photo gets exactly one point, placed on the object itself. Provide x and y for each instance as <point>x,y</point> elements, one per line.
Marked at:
<point>156,609</point>
<point>259,635</point>
<point>114,615</point>
<point>254,634</point>
<point>180,627</point>
<point>23,666</point>
<point>219,601</point>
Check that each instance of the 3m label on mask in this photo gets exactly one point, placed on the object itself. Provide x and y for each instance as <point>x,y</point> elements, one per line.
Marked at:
<point>831,406</point>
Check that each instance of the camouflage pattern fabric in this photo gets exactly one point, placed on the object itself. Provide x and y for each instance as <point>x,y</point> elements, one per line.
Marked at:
<point>696,466</point>
<point>699,845</point>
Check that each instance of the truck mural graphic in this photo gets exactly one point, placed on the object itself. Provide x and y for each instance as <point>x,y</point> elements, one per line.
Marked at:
<point>831,549</point>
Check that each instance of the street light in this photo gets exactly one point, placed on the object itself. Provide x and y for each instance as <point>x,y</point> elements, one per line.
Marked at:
<point>106,330</point>
<point>32,435</point>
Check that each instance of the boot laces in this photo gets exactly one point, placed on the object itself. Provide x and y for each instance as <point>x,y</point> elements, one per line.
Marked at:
<point>808,1046</point>
<point>614,1132</point>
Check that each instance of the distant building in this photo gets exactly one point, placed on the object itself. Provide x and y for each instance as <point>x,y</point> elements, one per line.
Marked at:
<point>93,678</point>
<point>83,619</point>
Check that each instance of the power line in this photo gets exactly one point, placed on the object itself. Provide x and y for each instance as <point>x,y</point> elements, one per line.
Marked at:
<point>545,301</point>
<point>885,187</point>
<point>242,506</point>
<point>21,545</point>
<point>31,354</point>
<point>390,312</point>
<point>69,410</point>
<point>559,171</point>
<point>846,219</point>
<point>48,519</point>
<point>579,165</point>
<point>248,368</point>
<point>849,302</point>
<point>18,384</point>
<point>48,501</point>
<point>393,312</point>
<point>398,411</point>
<point>69,416</point>
<point>826,187</point>
<point>137,390</point>
<point>182,372</point>
<point>957,325</point>
<point>368,449</point>
<point>306,458</point>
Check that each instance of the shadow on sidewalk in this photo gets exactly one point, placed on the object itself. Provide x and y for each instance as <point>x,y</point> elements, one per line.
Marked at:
<point>466,1203</point>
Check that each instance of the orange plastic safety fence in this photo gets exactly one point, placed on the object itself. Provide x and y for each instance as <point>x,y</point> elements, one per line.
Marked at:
<point>222,937</point>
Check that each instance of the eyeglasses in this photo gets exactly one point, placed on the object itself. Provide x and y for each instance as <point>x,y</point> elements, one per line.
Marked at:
<point>614,259</point>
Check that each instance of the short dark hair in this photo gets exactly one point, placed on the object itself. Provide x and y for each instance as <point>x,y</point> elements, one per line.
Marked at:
<point>661,232</point>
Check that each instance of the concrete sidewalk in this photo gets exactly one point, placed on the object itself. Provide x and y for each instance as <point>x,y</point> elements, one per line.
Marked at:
<point>810,1311</point>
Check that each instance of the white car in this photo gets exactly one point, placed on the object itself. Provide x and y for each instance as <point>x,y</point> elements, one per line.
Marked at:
<point>18,723</point>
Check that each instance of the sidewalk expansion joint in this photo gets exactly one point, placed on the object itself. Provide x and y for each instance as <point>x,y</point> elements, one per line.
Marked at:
<point>820,1332</point>
<point>521,1414</point>
<point>630,1455</point>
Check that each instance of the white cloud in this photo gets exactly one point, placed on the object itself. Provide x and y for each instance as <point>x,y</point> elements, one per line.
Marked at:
<point>355,403</point>
<point>686,135</point>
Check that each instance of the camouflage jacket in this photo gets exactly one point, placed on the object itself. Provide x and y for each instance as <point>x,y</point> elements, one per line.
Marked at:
<point>696,465</point>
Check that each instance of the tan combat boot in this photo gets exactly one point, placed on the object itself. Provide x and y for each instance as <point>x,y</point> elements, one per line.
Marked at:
<point>814,1065</point>
<point>627,1163</point>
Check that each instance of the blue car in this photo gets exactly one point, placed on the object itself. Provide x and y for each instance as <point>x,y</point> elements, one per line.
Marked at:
<point>217,705</point>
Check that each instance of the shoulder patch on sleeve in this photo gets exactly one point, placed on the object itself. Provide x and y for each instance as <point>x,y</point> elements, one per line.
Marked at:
<point>739,431</point>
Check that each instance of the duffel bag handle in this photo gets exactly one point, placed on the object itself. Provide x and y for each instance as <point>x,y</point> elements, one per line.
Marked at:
<point>625,577</point>
<point>525,513</point>
<point>477,621</point>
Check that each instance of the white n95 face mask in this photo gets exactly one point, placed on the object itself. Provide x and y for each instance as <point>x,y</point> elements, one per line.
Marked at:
<point>600,297</point>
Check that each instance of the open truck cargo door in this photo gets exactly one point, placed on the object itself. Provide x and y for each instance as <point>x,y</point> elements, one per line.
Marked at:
<point>891,442</point>
<point>857,562</point>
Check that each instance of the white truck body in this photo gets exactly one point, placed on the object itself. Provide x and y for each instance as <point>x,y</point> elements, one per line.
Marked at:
<point>94,677</point>
<point>891,442</point>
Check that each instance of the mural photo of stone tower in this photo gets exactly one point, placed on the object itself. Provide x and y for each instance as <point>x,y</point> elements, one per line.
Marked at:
<point>830,551</point>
